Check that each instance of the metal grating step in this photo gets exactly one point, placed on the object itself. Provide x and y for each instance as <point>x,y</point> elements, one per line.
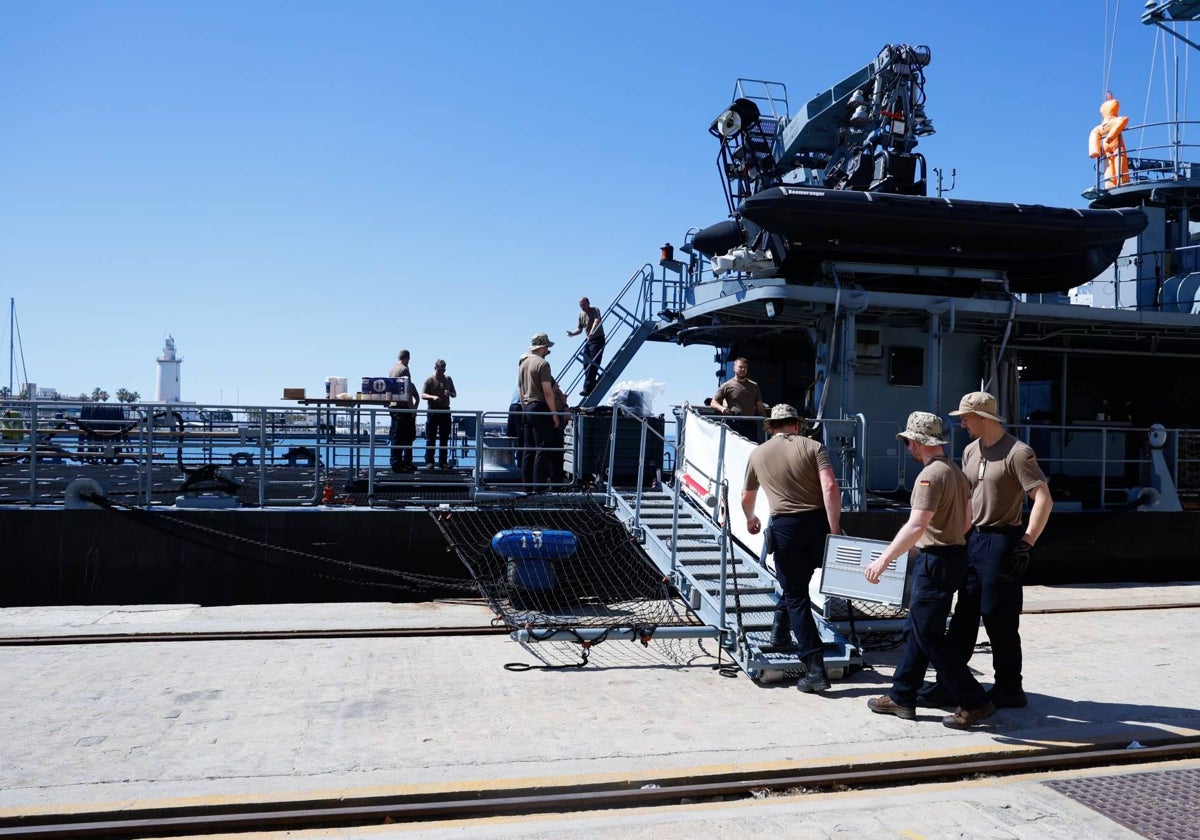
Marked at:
<point>715,575</point>
<point>752,602</point>
<point>707,558</point>
<point>745,591</point>
<point>694,553</point>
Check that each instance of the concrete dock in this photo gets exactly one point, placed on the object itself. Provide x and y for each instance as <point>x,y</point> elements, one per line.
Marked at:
<point>115,726</point>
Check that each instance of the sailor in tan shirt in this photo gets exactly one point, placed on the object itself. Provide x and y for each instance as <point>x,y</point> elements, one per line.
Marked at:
<point>1002,471</point>
<point>806,504</point>
<point>935,539</point>
<point>739,398</point>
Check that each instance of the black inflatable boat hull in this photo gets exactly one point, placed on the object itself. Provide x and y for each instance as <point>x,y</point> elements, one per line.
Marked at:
<point>1041,249</point>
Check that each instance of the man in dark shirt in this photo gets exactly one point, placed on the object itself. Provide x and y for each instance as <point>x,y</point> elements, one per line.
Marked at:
<point>740,398</point>
<point>437,391</point>
<point>593,346</point>
<point>403,429</point>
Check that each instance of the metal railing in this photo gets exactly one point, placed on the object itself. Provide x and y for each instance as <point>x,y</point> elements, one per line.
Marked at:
<point>1158,155</point>
<point>290,455</point>
<point>1104,464</point>
<point>281,455</point>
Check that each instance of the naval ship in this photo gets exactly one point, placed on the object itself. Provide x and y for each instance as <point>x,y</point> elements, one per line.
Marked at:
<point>858,291</point>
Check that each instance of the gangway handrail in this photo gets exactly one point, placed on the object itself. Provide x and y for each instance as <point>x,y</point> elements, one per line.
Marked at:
<point>642,300</point>
<point>1107,477</point>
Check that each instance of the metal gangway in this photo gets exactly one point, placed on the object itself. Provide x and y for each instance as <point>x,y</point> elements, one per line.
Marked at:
<point>731,590</point>
<point>645,301</point>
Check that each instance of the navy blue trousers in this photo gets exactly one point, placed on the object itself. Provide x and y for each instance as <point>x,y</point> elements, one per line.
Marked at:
<point>998,602</point>
<point>593,354</point>
<point>799,548</point>
<point>401,434</point>
<point>537,462</point>
<point>437,431</point>
<point>937,574</point>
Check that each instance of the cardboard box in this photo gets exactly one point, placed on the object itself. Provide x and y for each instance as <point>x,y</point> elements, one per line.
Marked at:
<point>385,387</point>
<point>293,394</point>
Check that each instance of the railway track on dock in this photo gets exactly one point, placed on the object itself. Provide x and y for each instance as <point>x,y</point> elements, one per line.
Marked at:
<point>249,635</point>
<point>199,820</point>
<point>418,632</point>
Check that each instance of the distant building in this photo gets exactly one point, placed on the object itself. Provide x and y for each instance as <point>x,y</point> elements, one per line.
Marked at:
<point>33,392</point>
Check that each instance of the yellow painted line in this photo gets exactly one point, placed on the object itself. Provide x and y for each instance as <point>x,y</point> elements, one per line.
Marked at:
<point>536,784</point>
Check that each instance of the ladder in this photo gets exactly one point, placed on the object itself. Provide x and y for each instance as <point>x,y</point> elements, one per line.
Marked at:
<point>727,587</point>
<point>628,322</point>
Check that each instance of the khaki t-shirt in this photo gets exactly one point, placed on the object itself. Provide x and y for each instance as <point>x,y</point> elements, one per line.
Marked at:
<point>788,468</point>
<point>942,488</point>
<point>739,397</point>
<point>585,324</point>
<point>534,371</point>
<point>1000,476</point>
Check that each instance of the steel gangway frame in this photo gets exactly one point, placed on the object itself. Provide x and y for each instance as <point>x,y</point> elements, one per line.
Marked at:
<point>729,589</point>
<point>645,301</point>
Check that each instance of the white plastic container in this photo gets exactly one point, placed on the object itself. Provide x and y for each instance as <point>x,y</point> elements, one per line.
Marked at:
<point>335,386</point>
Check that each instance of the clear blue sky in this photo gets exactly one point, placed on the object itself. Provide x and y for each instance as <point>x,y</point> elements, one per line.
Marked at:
<point>296,190</point>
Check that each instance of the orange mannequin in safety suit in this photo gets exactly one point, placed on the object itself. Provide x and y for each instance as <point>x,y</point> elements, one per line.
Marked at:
<point>1106,141</point>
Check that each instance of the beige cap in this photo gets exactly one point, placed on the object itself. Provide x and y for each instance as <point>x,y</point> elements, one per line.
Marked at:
<point>783,411</point>
<point>925,428</point>
<point>978,402</point>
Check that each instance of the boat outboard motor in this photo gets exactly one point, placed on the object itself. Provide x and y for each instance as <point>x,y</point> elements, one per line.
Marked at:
<point>720,238</point>
<point>203,485</point>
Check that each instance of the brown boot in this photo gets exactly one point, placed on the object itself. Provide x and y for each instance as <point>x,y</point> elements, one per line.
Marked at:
<point>887,706</point>
<point>962,719</point>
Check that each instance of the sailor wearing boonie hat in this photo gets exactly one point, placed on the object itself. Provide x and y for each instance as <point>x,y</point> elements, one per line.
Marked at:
<point>535,384</point>
<point>936,528</point>
<point>1002,471</point>
<point>805,504</point>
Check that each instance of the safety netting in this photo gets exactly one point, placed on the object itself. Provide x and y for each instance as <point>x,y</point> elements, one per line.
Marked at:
<point>560,563</point>
<point>871,626</point>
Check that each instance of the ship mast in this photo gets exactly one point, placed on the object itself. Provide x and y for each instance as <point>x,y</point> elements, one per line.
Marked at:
<point>15,349</point>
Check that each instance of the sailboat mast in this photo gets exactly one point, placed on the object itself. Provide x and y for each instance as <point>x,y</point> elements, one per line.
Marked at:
<point>12,320</point>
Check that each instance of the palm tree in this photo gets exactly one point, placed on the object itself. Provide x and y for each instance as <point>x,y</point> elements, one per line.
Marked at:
<point>99,395</point>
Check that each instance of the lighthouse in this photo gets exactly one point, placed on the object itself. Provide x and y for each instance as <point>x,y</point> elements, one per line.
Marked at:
<point>168,374</point>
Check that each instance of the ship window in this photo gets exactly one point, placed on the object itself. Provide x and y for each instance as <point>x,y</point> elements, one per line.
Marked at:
<point>867,344</point>
<point>906,366</point>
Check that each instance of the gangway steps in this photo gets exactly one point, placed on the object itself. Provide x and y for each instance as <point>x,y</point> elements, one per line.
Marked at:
<point>694,556</point>
<point>714,573</point>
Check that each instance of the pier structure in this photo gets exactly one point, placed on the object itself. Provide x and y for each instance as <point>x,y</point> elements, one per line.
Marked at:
<point>402,720</point>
